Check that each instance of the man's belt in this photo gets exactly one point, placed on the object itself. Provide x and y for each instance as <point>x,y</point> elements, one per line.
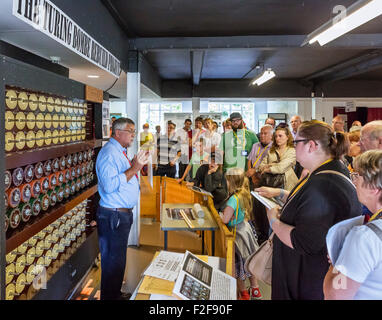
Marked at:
<point>128,210</point>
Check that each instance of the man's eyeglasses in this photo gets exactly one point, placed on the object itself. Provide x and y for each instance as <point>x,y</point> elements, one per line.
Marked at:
<point>354,176</point>
<point>129,131</point>
<point>295,142</point>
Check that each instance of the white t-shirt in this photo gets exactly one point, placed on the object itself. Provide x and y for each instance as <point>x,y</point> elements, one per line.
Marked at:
<point>211,139</point>
<point>361,260</point>
<point>182,137</point>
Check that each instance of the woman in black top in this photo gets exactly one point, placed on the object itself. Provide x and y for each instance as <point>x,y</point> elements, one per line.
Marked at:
<point>319,201</point>
<point>210,178</point>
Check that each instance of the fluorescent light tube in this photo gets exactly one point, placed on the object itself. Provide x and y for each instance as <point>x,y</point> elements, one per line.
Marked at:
<point>92,76</point>
<point>267,75</point>
<point>369,11</point>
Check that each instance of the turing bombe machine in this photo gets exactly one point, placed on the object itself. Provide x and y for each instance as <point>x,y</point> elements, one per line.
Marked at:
<point>50,187</point>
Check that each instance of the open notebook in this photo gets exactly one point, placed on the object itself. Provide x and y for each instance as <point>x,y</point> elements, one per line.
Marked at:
<point>198,280</point>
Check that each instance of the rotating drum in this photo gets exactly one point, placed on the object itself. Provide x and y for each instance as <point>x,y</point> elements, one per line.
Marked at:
<point>62,137</point>
<point>60,193</point>
<point>31,120</point>
<point>29,173</point>
<point>21,139</point>
<point>48,120</point>
<point>14,197</point>
<point>64,104</point>
<point>7,179</point>
<point>40,120</point>
<point>74,159</point>
<point>18,176</point>
<point>52,181</point>
<point>14,217</point>
<point>23,101</point>
<point>35,188</point>
<point>40,138</point>
<point>50,104</point>
<point>30,139</point>
<point>60,178</point>
<point>44,184</point>
<point>62,121</point>
<point>20,120</point>
<point>62,163</point>
<point>52,197</point>
<point>33,102</point>
<point>47,167</point>
<point>42,103</point>
<point>55,165</point>
<point>26,211</point>
<point>69,161</point>
<point>55,137</point>
<point>55,121</point>
<point>45,202</point>
<point>36,206</point>
<point>9,120</point>
<point>26,192</point>
<point>68,121</point>
<point>48,137</point>
<point>75,107</point>
<point>70,107</point>
<point>9,141</point>
<point>20,264</point>
<point>39,170</point>
<point>57,105</point>
<point>68,136</point>
<point>11,99</point>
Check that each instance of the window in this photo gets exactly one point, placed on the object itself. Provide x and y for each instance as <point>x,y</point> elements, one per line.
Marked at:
<point>246,110</point>
<point>153,113</point>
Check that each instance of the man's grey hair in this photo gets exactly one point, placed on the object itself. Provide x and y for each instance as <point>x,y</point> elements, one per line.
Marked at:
<point>267,126</point>
<point>120,124</point>
<point>374,129</point>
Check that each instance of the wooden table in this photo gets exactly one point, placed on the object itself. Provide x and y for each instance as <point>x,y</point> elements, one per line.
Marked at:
<point>207,223</point>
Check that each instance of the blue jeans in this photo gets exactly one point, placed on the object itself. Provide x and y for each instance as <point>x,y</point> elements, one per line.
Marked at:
<point>113,234</point>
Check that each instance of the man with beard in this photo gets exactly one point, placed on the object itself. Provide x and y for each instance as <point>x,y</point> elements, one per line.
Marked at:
<point>237,144</point>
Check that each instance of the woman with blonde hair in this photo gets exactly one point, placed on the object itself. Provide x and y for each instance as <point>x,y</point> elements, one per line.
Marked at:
<point>359,263</point>
<point>281,158</point>
<point>236,215</point>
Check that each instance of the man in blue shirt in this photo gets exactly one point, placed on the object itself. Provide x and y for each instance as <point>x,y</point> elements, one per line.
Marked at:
<point>118,187</point>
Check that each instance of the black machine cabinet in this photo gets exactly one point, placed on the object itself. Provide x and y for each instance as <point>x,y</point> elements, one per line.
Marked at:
<point>48,241</point>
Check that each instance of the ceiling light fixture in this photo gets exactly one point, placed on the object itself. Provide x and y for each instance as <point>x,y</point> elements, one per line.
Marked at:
<point>264,77</point>
<point>356,15</point>
<point>93,76</point>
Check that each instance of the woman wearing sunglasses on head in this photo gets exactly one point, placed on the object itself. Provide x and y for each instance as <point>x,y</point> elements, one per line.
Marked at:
<point>325,197</point>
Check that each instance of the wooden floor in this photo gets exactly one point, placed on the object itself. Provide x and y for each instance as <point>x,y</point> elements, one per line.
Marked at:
<point>138,258</point>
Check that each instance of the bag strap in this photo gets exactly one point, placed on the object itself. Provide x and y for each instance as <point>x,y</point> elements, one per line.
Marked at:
<point>338,174</point>
<point>237,214</point>
<point>278,156</point>
<point>376,230</point>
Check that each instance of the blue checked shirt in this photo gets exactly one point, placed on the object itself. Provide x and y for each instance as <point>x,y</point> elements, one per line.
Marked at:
<point>113,188</point>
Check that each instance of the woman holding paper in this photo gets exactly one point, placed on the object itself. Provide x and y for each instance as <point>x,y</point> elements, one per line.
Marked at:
<point>316,203</point>
<point>359,264</point>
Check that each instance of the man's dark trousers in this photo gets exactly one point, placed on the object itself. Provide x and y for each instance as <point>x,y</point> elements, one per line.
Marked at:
<point>113,234</point>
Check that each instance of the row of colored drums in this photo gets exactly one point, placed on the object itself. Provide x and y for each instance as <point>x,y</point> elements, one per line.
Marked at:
<point>24,101</point>
<point>43,138</point>
<point>26,174</point>
<point>36,260</point>
<point>41,202</point>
